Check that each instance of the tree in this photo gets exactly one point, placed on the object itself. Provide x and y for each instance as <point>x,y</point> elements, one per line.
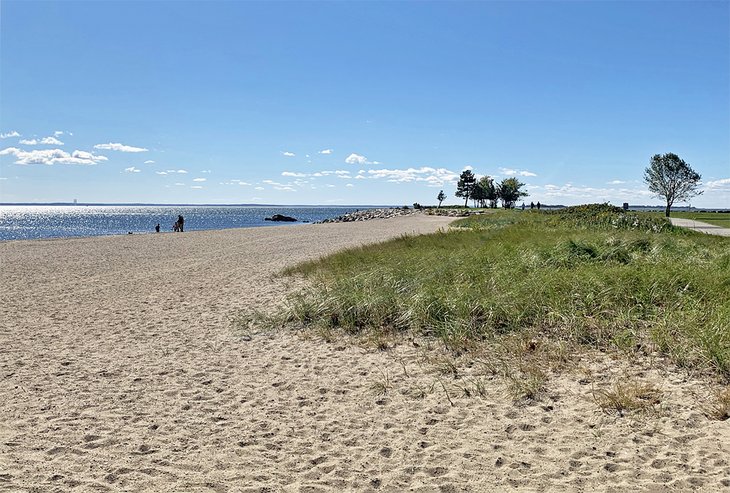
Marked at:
<point>465,186</point>
<point>669,177</point>
<point>478,194</point>
<point>441,197</point>
<point>509,191</point>
<point>486,183</point>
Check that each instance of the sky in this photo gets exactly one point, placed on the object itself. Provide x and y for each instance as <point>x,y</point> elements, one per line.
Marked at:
<point>358,102</point>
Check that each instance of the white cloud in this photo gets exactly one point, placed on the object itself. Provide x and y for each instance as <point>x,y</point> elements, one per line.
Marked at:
<point>279,186</point>
<point>288,154</point>
<point>349,185</point>
<point>206,171</point>
<point>132,170</point>
<point>433,177</point>
<point>161,172</point>
<point>615,182</point>
<point>199,179</point>
<point>197,187</point>
<point>516,172</point>
<point>58,133</point>
<point>326,151</point>
<point>12,133</point>
<point>120,147</point>
<point>149,161</point>
<point>172,171</point>
<point>358,159</point>
<point>178,184</point>
<point>52,156</point>
<point>259,188</point>
<point>593,194</point>
<point>468,167</point>
<point>292,174</point>
<point>44,141</point>
<point>721,184</point>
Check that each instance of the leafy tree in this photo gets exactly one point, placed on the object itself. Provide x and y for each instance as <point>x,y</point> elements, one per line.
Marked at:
<point>509,191</point>
<point>465,186</point>
<point>486,183</point>
<point>479,194</point>
<point>669,177</point>
<point>441,197</point>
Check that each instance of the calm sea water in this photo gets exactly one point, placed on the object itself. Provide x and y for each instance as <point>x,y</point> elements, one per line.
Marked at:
<point>35,221</point>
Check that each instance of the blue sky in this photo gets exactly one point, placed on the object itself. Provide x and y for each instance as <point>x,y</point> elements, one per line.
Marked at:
<point>358,103</point>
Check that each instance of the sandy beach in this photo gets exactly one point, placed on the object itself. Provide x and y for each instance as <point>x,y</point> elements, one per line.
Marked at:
<point>121,370</point>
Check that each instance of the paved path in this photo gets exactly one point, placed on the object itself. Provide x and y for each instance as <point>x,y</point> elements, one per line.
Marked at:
<point>710,229</point>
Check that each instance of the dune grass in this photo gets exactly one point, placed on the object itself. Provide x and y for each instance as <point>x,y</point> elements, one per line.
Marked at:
<point>588,276</point>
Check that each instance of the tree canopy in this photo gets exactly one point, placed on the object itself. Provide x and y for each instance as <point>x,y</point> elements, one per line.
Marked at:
<point>441,197</point>
<point>509,191</point>
<point>672,179</point>
<point>465,186</point>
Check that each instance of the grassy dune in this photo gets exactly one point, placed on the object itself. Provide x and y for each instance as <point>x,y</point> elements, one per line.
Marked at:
<point>586,276</point>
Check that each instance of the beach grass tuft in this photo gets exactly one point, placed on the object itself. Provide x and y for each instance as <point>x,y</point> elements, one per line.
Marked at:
<point>590,276</point>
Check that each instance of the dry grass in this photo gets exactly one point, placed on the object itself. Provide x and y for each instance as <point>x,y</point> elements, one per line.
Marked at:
<point>628,396</point>
<point>719,407</point>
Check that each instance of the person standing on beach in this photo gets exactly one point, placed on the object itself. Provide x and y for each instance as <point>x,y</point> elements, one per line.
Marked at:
<point>157,228</point>
<point>180,223</point>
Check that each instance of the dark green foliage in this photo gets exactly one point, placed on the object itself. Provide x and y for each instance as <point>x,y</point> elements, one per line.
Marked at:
<point>510,191</point>
<point>441,197</point>
<point>465,186</point>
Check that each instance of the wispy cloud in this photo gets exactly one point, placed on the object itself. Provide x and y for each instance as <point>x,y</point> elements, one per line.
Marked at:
<point>358,159</point>
<point>149,161</point>
<point>10,134</point>
<point>111,146</point>
<point>433,177</point>
<point>292,174</point>
<point>132,170</point>
<point>180,171</point>
<point>721,184</point>
<point>286,187</point>
<point>288,154</point>
<point>349,185</point>
<point>52,156</point>
<point>196,187</point>
<point>44,141</point>
<point>615,182</point>
<point>200,179</point>
<point>58,133</point>
<point>235,182</point>
<point>593,194</point>
<point>326,151</point>
<point>516,172</point>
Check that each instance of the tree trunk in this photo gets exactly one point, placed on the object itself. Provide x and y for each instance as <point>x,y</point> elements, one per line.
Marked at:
<point>466,201</point>
<point>666,211</point>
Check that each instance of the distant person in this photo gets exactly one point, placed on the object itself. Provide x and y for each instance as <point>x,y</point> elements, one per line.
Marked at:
<point>523,206</point>
<point>176,226</point>
<point>157,228</point>
<point>181,223</point>
<point>532,205</point>
<point>538,205</point>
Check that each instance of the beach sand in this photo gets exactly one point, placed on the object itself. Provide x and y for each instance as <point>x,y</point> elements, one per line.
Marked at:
<point>121,370</point>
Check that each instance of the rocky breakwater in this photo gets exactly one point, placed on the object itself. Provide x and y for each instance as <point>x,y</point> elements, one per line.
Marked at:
<point>368,214</point>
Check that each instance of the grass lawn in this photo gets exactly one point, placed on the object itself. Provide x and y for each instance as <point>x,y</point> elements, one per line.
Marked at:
<point>721,219</point>
<point>587,276</point>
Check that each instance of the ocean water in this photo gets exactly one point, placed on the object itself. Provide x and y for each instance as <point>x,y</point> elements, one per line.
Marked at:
<point>38,221</point>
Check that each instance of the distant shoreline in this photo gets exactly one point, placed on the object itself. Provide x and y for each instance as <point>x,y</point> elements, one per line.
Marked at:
<point>640,208</point>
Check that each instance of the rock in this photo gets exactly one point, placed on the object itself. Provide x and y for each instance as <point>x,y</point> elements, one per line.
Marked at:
<point>279,217</point>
